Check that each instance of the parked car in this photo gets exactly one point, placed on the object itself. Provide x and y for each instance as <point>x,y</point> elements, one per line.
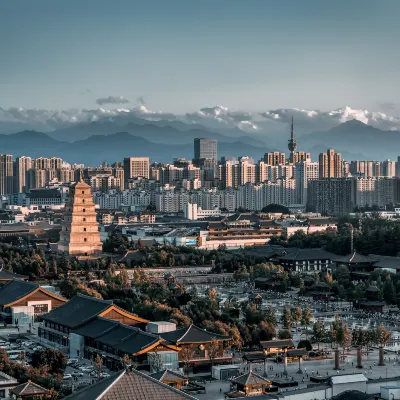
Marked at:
<point>77,374</point>
<point>72,361</point>
<point>67,376</point>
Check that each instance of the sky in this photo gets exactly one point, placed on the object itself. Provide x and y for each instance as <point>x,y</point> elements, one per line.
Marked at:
<point>182,55</point>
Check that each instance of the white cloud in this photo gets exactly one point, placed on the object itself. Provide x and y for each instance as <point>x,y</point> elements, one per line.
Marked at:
<point>112,100</point>
<point>218,117</point>
<point>312,120</point>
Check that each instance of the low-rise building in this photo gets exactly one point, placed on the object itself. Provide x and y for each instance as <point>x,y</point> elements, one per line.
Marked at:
<point>22,303</point>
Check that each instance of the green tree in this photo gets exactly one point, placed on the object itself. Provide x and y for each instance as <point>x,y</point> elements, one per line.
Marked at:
<point>296,315</point>
<point>306,318</point>
<point>54,359</point>
<point>319,332</point>
<point>270,315</point>
<point>286,319</point>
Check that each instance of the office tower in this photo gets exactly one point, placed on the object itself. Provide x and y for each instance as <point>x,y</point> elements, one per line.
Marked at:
<point>79,230</point>
<point>398,167</point>
<point>292,145</point>
<point>136,167</point>
<point>22,166</point>
<point>275,158</point>
<point>6,174</point>
<point>331,196</point>
<point>205,148</point>
<point>330,164</point>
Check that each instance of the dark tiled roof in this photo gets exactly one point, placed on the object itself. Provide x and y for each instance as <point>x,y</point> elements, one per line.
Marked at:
<point>277,343</point>
<point>132,385</point>
<point>167,375</point>
<point>119,336</point>
<point>372,289</point>
<point>296,352</point>
<point>267,223</point>
<point>320,221</point>
<point>4,274</point>
<point>14,290</point>
<point>96,327</point>
<point>192,334</point>
<point>307,254</point>
<point>250,379</point>
<point>29,389</point>
<point>355,258</point>
<point>386,261</point>
<point>78,310</point>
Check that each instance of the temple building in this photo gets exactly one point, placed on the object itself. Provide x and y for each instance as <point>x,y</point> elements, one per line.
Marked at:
<point>360,266</point>
<point>373,303</point>
<point>250,384</point>
<point>22,303</point>
<point>60,323</point>
<point>199,342</point>
<point>129,385</point>
<point>79,232</point>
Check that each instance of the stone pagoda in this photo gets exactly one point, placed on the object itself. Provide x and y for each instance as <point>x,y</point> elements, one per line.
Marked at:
<point>79,233</point>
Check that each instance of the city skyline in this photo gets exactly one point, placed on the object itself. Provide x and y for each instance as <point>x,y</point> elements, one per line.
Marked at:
<point>249,56</point>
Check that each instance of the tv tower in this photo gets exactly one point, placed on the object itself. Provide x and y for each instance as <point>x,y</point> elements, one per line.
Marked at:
<point>292,145</point>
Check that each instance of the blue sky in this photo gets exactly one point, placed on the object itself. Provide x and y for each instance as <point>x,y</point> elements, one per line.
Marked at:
<point>184,55</point>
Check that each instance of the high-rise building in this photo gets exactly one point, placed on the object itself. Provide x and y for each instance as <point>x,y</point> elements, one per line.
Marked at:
<point>304,172</point>
<point>22,166</point>
<point>6,174</point>
<point>331,196</point>
<point>330,164</point>
<point>275,158</point>
<point>388,168</point>
<point>205,148</point>
<point>300,156</point>
<point>79,229</point>
<point>136,167</point>
<point>375,191</point>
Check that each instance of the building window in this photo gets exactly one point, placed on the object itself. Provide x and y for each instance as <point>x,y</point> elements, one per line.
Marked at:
<point>84,229</point>
<point>85,240</point>
<point>84,219</point>
<point>83,192</point>
<point>83,200</point>
<point>83,210</point>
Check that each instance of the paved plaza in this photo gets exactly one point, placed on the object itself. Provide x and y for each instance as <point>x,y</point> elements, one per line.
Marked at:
<point>323,368</point>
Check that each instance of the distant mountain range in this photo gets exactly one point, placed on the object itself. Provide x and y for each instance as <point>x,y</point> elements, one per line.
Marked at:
<point>92,143</point>
<point>357,139</point>
<point>114,147</point>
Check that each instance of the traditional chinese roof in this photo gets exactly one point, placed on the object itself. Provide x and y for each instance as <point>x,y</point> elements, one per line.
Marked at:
<point>192,334</point>
<point>296,352</point>
<point>8,276</point>
<point>355,258</point>
<point>129,385</point>
<point>125,338</point>
<point>17,289</point>
<point>386,262</point>
<point>167,375</point>
<point>29,389</point>
<point>307,254</point>
<point>255,356</point>
<point>81,309</point>
<point>277,343</point>
<point>373,289</point>
<point>250,379</point>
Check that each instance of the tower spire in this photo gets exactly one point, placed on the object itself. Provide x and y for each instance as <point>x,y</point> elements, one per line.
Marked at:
<point>292,145</point>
